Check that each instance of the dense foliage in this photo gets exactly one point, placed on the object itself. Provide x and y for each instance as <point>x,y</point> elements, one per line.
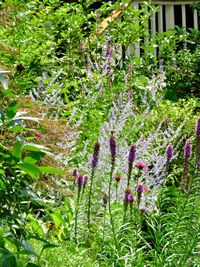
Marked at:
<point>99,148</point>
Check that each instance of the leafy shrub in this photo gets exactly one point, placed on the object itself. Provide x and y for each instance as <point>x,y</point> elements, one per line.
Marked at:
<point>183,75</point>
<point>18,173</point>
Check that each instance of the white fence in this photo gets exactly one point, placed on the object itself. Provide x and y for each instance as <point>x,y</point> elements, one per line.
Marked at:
<point>170,14</point>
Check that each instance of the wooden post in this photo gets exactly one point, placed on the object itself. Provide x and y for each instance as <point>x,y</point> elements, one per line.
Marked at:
<point>183,16</point>
<point>169,16</point>
<point>160,19</point>
<point>137,44</point>
<point>195,20</point>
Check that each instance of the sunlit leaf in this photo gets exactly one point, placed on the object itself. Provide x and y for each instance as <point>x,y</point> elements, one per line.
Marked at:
<point>30,169</point>
<point>11,110</point>
<point>51,170</point>
<point>16,151</point>
<point>34,147</point>
<point>57,218</point>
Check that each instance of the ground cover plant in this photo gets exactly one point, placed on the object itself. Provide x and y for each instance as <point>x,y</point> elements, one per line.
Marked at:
<point>98,166</point>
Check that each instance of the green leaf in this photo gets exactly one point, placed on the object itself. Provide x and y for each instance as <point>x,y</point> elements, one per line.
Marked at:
<point>29,160</point>
<point>34,147</point>
<point>8,260</point>
<point>51,170</point>
<point>17,151</point>
<point>37,227</point>
<point>16,129</point>
<point>57,219</point>
<point>7,93</point>
<point>11,110</point>
<point>35,155</point>
<point>2,171</point>
<point>30,169</point>
<point>50,246</point>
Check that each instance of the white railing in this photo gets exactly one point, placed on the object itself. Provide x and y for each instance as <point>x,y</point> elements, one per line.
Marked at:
<point>166,18</point>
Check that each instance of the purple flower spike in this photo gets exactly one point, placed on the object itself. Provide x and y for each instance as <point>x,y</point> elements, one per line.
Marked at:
<point>169,152</point>
<point>95,161</point>
<point>140,188</point>
<point>75,173</point>
<point>113,148</point>
<point>132,153</point>
<point>198,127</point>
<point>95,156</point>
<point>79,180</point>
<point>85,180</point>
<point>126,195</point>
<point>131,158</point>
<point>105,199</point>
<point>188,149</point>
<point>131,198</point>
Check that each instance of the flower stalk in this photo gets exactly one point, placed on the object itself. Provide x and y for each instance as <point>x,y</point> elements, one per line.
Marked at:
<point>131,158</point>
<point>105,203</point>
<point>95,160</point>
<point>128,200</point>
<point>186,176</point>
<point>117,181</point>
<point>169,152</point>
<point>79,182</point>
<point>113,151</point>
<point>139,190</point>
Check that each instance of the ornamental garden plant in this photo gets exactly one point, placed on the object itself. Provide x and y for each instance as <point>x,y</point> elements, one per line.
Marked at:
<point>99,162</point>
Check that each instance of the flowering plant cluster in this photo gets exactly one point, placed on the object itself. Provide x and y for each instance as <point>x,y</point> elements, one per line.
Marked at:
<point>134,192</point>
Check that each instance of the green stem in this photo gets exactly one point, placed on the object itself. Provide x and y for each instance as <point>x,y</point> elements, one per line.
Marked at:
<point>185,178</point>
<point>130,167</point>
<point>76,215</point>
<point>89,199</point>
<point>116,188</point>
<point>109,206</point>
<point>131,213</point>
<point>104,225</point>
<point>125,212</point>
